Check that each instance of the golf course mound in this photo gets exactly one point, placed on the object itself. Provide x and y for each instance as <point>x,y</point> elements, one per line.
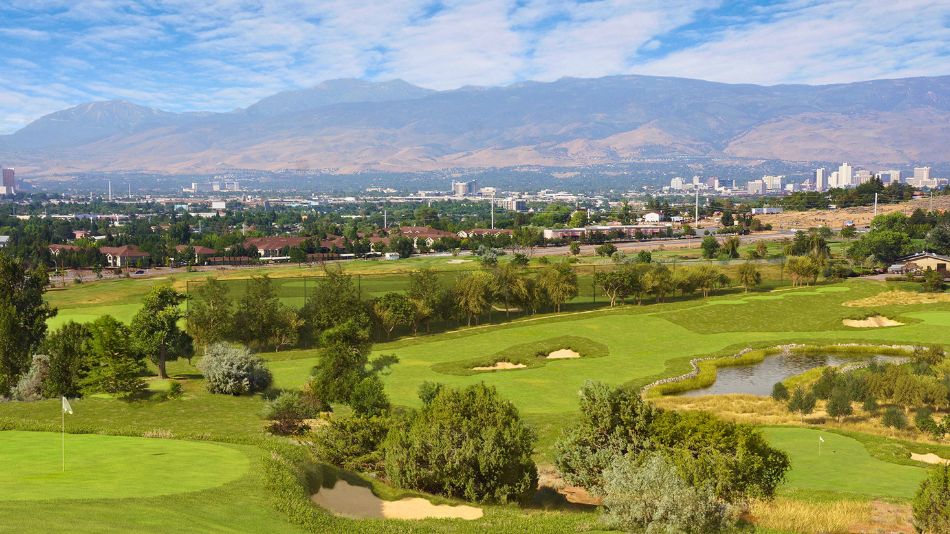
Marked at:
<point>875,321</point>
<point>359,502</point>
<point>531,355</point>
<point>110,467</point>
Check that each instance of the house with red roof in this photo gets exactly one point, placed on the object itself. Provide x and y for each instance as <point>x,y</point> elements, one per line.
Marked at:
<point>124,256</point>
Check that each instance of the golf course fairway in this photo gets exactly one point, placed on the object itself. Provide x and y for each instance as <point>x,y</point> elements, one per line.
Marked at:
<point>110,467</point>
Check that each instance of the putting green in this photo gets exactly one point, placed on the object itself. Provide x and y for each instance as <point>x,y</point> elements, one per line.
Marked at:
<point>844,466</point>
<point>110,467</point>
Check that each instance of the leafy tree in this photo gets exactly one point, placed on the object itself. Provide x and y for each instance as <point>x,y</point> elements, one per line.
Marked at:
<point>709,278</point>
<point>155,328</point>
<point>210,313</point>
<point>528,237</point>
<point>613,423</point>
<point>848,232</point>
<point>334,300</point>
<point>870,404</point>
<point>233,370</point>
<point>23,315</point>
<point>575,248</point>
<point>938,239</point>
<point>802,403</point>
<point>606,250</point>
<point>466,443</point>
<point>509,285</point>
<point>780,392</point>
<point>428,297</point>
<point>559,283</point>
<point>710,247</point>
<point>30,385</point>
<point>473,295</point>
<point>907,392</point>
<point>297,255</point>
<point>730,247</point>
<point>803,269</point>
<point>68,351</point>
<point>658,281</point>
<point>839,404</point>
<point>394,310</point>
<point>644,256</point>
<point>885,246</point>
<point>826,383</point>
<point>647,494</point>
<point>932,502</point>
<point>748,276</point>
<point>114,364</point>
<point>427,391</point>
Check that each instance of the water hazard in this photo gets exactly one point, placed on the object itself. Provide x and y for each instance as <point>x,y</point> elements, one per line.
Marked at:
<point>758,379</point>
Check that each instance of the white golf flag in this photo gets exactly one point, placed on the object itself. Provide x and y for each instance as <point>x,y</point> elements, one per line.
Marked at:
<point>66,407</point>
<point>820,439</point>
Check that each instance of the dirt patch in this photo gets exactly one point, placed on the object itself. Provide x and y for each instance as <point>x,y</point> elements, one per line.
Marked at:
<point>860,216</point>
<point>563,354</point>
<point>548,477</point>
<point>896,296</point>
<point>500,366</point>
<point>929,458</point>
<point>877,321</point>
<point>358,502</point>
<point>886,517</point>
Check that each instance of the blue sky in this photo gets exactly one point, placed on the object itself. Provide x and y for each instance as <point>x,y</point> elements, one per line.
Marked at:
<point>182,55</point>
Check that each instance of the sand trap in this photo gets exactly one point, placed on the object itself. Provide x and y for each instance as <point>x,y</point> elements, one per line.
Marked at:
<point>500,366</point>
<point>929,458</point>
<point>358,502</point>
<point>456,262</point>
<point>877,321</point>
<point>563,354</point>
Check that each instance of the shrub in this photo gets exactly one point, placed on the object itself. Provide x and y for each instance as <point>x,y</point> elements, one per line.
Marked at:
<point>352,443</point>
<point>780,392</point>
<point>870,404</point>
<point>310,396</point>
<point>428,390</point>
<point>647,495</point>
<point>369,398</point>
<point>801,402</point>
<point>30,385</point>
<point>932,503</point>
<point>606,250</point>
<point>894,418</point>
<point>613,423</point>
<point>287,413</point>
<point>467,443</point>
<point>924,421</point>
<point>233,370</point>
<point>175,390</point>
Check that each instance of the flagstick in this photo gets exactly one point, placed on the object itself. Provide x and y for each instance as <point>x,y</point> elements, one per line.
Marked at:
<point>63,412</point>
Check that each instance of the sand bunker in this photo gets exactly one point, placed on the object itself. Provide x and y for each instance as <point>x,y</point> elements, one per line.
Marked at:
<point>500,366</point>
<point>929,458</point>
<point>358,502</point>
<point>456,262</point>
<point>563,354</point>
<point>876,321</point>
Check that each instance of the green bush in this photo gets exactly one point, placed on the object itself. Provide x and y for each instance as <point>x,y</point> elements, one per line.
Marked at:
<point>353,443</point>
<point>839,404</point>
<point>175,390</point>
<point>467,443</point>
<point>369,397</point>
<point>233,370</point>
<point>870,404</point>
<point>647,494</point>
<point>932,502</point>
<point>780,392</point>
<point>894,418</point>
<point>287,413</point>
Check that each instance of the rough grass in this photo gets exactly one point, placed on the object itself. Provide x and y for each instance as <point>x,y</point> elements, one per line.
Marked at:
<point>899,297</point>
<point>787,515</point>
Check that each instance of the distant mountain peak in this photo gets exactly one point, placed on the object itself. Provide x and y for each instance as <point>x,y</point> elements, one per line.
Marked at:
<point>336,91</point>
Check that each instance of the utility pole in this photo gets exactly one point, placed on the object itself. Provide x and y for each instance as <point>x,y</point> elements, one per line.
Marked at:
<point>875,204</point>
<point>385,219</point>
<point>931,201</point>
<point>110,190</point>
<point>130,191</point>
<point>493,211</point>
<point>696,211</point>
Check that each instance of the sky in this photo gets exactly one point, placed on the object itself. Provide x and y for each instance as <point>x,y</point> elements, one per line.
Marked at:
<point>218,55</point>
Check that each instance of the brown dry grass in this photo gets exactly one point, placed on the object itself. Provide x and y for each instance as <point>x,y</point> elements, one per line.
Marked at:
<point>836,218</point>
<point>788,515</point>
<point>897,296</point>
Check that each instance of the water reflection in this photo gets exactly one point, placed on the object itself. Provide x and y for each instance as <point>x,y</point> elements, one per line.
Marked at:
<point>759,378</point>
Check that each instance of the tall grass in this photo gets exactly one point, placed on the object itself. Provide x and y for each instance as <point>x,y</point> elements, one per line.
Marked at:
<point>787,515</point>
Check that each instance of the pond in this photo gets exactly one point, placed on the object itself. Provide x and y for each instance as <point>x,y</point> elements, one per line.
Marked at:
<point>758,379</point>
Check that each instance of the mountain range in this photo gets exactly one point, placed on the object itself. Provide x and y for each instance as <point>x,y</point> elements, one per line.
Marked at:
<point>352,125</point>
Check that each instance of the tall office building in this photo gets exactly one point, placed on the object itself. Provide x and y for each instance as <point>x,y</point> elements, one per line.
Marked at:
<point>821,181</point>
<point>677,183</point>
<point>862,176</point>
<point>461,189</point>
<point>845,175</point>
<point>921,174</point>
<point>889,177</point>
<point>773,183</point>
<point>9,182</point>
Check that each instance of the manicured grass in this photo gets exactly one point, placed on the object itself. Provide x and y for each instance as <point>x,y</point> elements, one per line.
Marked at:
<point>844,468</point>
<point>241,505</point>
<point>110,467</point>
<point>530,354</point>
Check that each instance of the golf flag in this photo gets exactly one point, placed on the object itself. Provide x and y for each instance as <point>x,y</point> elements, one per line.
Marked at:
<point>66,407</point>
<point>820,439</point>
